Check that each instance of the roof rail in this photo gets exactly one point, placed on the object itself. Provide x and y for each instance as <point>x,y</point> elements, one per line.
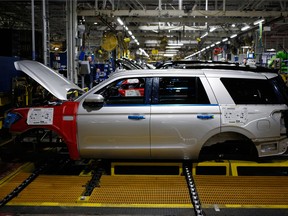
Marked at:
<point>187,64</point>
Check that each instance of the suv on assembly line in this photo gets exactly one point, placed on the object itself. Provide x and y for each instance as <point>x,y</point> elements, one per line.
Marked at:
<point>179,114</point>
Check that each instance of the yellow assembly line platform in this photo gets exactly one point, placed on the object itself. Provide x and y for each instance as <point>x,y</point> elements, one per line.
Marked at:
<point>148,188</point>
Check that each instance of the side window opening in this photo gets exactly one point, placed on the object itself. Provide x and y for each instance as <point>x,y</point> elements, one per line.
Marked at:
<point>251,91</point>
<point>181,90</point>
<point>124,91</point>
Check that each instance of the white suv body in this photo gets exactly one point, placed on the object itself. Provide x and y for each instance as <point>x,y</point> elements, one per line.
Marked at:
<point>179,130</point>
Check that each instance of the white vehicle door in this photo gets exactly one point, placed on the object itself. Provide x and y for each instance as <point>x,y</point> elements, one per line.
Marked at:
<point>119,126</point>
<point>184,114</point>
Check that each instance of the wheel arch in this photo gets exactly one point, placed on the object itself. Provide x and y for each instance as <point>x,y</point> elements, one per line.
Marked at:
<point>228,145</point>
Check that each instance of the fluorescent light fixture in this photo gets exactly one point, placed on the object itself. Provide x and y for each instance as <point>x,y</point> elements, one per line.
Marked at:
<point>213,28</point>
<point>126,28</point>
<point>129,32</point>
<point>133,37</point>
<point>245,28</point>
<point>120,21</point>
<point>142,51</point>
<point>202,50</point>
<point>212,45</point>
<point>233,36</point>
<point>271,50</point>
<point>137,43</point>
<point>204,35</point>
<point>218,42</point>
<point>173,47</point>
<point>168,54</point>
<point>233,25</point>
<point>171,53</point>
<point>258,21</point>
<point>175,44</point>
<point>171,50</point>
<point>245,47</point>
<point>225,39</point>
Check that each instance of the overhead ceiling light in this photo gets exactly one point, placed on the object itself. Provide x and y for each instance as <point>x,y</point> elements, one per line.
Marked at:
<point>126,28</point>
<point>204,35</point>
<point>168,54</point>
<point>225,39</point>
<point>245,28</point>
<point>213,28</point>
<point>167,51</point>
<point>142,51</point>
<point>270,50</point>
<point>120,21</point>
<point>233,25</point>
<point>258,21</point>
<point>129,32</point>
<point>233,36</point>
<point>173,47</point>
<point>175,44</point>
<point>218,42</point>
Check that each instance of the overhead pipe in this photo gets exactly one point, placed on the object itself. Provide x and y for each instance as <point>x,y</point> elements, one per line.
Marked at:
<point>33,29</point>
<point>141,5</point>
<point>96,4</point>
<point>206,9</point>
<point>44,32</point>
<point>180,4</point>
<point>104,4</point>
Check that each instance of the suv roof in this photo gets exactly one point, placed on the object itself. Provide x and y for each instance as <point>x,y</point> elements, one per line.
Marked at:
<point>208,71</point>
<point>186,64</point>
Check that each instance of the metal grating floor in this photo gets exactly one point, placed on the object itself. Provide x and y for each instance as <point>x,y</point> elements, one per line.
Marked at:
<point>150,191</point>
<point>157,190</point>
<point>47,189</point>
<point>243,190</point>
<point>11,184</point>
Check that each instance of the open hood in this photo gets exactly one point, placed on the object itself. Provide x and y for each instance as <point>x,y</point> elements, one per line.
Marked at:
<point>53,82</point>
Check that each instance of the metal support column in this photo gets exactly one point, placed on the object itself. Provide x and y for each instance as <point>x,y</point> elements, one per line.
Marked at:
<point>46,33</point>
<point>71,35</point>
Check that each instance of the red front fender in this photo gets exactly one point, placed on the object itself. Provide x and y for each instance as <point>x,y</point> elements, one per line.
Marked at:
<point>63,123</point>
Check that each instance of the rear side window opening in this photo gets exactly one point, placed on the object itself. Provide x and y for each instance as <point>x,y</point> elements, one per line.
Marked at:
<point>255,91</point>
<point>181,90</point>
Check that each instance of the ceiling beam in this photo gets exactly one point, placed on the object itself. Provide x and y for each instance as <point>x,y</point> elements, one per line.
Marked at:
<point>227,20</point>
<point>215,20</point>
<point>180,13</point>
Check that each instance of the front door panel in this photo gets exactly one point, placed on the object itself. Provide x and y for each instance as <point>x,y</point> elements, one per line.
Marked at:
<point>120,127</point>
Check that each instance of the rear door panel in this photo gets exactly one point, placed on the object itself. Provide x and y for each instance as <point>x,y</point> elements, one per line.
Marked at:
<point>180,124</point>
